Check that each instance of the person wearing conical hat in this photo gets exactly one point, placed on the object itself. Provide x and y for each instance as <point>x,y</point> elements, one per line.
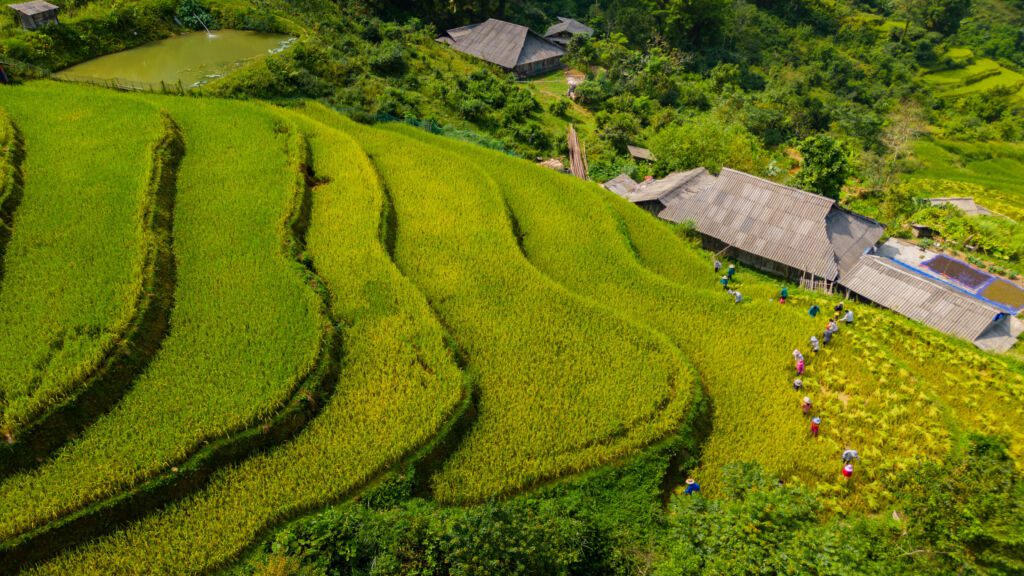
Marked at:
<point>691,487</point>
<point>805,405</point>
<point>815,424</point>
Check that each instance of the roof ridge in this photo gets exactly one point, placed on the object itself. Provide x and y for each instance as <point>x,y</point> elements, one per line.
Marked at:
<point>911,273</point>
<point>773,183</point>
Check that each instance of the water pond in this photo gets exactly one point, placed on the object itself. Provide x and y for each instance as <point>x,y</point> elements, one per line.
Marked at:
<point>192,59</point>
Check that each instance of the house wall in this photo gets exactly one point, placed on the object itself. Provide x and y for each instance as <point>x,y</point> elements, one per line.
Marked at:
<point>536,68</point>
<point>752,260</point>
<point>31,22</point>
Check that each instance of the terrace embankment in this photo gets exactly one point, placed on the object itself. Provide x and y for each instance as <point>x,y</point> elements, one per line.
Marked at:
<point>12,153</point>
<point>139,342</point>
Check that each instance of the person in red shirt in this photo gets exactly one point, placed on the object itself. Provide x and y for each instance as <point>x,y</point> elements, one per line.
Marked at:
<point>848,470</point>
<point>815,425</point>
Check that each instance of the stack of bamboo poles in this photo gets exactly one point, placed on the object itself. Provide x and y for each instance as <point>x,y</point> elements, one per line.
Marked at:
<point>577,156</point>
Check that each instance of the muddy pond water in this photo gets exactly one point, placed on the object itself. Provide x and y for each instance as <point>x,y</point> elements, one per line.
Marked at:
<point>192,59</point>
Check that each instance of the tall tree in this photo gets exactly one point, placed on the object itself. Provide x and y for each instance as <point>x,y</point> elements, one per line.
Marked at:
<point>826,165</point>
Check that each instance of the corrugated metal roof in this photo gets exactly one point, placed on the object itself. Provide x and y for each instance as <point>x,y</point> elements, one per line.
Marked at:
<point>640,153</point>
<point>569,25</point>
<point>621,185</point>
<point>32,8</point>
<point>968,205</point>
<point>674,185</point>
<point>761,217</point>
<point>503,43</point>
<point>889,284</point>
<point>851,235</point>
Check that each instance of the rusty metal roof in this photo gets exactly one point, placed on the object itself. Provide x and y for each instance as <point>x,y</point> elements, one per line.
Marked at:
<point>892,285</point>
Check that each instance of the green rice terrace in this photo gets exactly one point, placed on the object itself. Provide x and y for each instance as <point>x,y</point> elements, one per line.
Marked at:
<point>221,317</point>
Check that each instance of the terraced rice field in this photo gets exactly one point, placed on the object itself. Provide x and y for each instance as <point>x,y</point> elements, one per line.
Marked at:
<point>75,265</point>
<point>994,168</point>
<point>979,75</point>
<point>245,332</point>
<point>363,307</point>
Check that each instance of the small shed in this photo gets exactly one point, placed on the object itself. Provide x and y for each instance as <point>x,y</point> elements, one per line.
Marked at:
<point>35,14</point>
<point>563,32</point>
<point>968,205</point>
<point>639,153</point>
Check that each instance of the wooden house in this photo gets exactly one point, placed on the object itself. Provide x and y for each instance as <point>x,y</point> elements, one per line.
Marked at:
<point>513,47</point>
<point>562,33</point>
<point>781,230</point>
<point>656,195</point>
<point>897,287</point>
<point>35,14</point>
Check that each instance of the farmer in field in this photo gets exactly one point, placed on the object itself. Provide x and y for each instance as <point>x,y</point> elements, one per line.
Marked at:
<point>718,266</point>
<point>806,406</point>
<point>691,487</point>
<point>783,295</point>
<point>724,282</point>
<point>731,271</point>
<point>813,311</point>
<point>814,344</point>
<point>797,355</point>
<point>849,456</point>
<point>826,337</point>
<point>800,367</point>
<point>849,317</point>
<point>839,307</point>
<point>737,297</point>
<point>815,426</point>
<point>848,471</point>
<point>798,384</point>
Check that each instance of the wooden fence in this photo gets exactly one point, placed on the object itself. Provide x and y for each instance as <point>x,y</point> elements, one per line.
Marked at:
<point>125,85</point>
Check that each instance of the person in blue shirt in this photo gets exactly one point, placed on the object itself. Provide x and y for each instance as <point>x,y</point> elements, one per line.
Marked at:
<point>814,310</point>
<point>691,487</point>
<point>731,271</point>
<point>784,295</point>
